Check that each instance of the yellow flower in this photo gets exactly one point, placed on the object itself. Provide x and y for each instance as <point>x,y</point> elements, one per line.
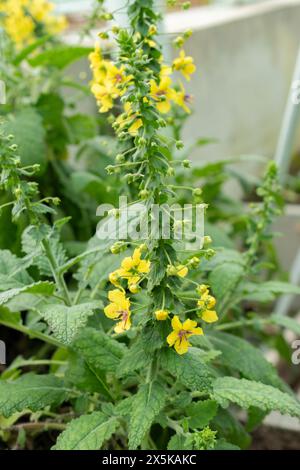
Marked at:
<point>133,129</point>
<point>127,117</point>
<point>181,98</point>
<point>25,20</point>
<point>132,268</point>
<point>161,314</point>
<point>180,334</point>
<point>162,93</point>
<point>209,316</point>
<point>105,95</point>
<point>119,309</point>
<point>206,303</point>
<point>179,270</point>
<point>185,64</point>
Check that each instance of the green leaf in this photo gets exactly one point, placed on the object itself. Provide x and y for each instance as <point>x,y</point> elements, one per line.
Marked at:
<point>267,291</point>
<point>148,402</point>
<point>65,322</point>
<point>201,413</point>
<point>31,246</point>
<point>13,271</point>
<point>60,56</point>
<point>29,49</point>
<point>177,442</point>
<point>29,134</point>
<point>101,352</point>
<point>79,374</point>
<point>286,322</point>
<point>231,429</point>
<point>134,359</point>
<point>31,391</point>
<point>224,278</point>
<point>44,288</point>
<point>80,127</point>
<point>88,432</point>
<point>246,393</point>
<point>240,355</point>
<point>189,369</point>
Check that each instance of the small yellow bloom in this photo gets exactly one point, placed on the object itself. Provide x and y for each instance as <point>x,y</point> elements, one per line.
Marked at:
<point>182,99</point>
<point>132,268</point>
<point>184,64</point>
<point>202,289</point>
<point>161,314</point>
<point>119,309</point>
<point>133,129</point>
<point>206,303</point>
<point>162,93</point>
<point>182,270</point>
<point>180,334</point>
<point>209,316</point>
<point>127,117</point>
<point>179,270</point>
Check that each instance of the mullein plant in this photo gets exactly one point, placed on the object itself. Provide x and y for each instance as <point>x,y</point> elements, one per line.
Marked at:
<point>141,81</point>
<point>145,345</point>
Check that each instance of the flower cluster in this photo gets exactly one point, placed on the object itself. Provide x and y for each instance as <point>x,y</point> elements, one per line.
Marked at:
<point>141,83</point>
<point>206,304</point>
<point>110,83</point>
<point>132,271</point>
<point>26,20</point>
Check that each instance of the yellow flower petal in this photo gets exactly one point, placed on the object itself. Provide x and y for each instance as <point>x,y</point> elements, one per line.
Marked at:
<point>171,338</point>
<point>144,266</point>
<point>182,346</point>
<point>133,129</point>
<point>197,331</point>
<point>111,311</point>
<point>176,323</point>
<point>210,316</point>
<point>189,324</point>
<point>182,270</point>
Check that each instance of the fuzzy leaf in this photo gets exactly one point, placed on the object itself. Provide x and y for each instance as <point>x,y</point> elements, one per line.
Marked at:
<point>251,363</point>
<point>31,391</point>
<point>189,369</point>
<point>147,403</point>
<point>201,413</point>
<point>65,322</point>
<point>43,288</point>
<point>224,277</point>
<point>247,393</point>
<point>12,271</point>
<point>101,352</point>
<point>27,127</point>
<point>287,322</point>
<point>88,432</point>
<point>59,56</point>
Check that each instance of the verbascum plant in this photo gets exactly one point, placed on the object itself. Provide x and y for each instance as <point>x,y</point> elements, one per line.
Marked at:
<point>146,342</point>
<point>141,81</point>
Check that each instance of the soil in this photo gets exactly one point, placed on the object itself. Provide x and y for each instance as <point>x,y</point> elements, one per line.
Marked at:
<point>269,438</point>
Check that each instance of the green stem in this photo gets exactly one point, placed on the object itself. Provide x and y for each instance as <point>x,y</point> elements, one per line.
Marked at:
<point>34,334</point>
<point>59,279</point>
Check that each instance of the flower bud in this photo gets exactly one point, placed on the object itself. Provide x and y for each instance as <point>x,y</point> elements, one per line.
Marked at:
<point>144,193</point>
<point>103,35</point>
<point>179,144</point>
<point>152,30</point>
<point>207,240</point>
<point>186,164</point>
<point>197,192</point>
<point>161,315</point>
<point>120,158</point>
